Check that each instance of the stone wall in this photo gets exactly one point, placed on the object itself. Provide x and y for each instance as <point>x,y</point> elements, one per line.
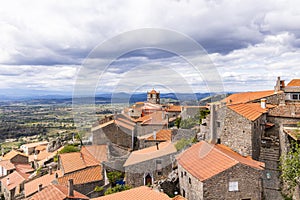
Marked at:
<point>134,174</point>
<point>239,133</point>
<point>192,190</point>
<point>249,184</point>
<point>147,129</point>
<point>114,134</point>
<point>178,134</point>
<point>88,188</point>
<point>19,159</point>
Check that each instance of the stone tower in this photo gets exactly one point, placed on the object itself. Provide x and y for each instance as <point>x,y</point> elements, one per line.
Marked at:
<point>153,97</point>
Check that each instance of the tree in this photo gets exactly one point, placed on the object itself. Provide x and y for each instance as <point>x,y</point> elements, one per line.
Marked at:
<point>114,176</point>
<point>290,166</point>
<point>117,188</point>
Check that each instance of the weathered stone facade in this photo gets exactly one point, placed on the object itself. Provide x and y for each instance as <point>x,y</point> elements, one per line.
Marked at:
<point>239,133</point>
<point>135,175</point>
<point>114,134</point>
<point>217,187</point>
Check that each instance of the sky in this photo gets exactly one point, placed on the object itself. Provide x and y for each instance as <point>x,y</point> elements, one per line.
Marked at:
<point>44,45</point>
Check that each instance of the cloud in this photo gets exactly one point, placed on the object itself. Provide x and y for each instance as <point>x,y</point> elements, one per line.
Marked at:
<point>43,43</point>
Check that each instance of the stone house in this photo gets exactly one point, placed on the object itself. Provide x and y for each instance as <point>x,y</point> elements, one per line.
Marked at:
<point>12,185</point>
<point>146,166</point>
<point>208,171</point>
<point>163,135</point>
<point>84,168</point>
<point>239,126</point>
<point>16,157</point>
<point>120,131</point>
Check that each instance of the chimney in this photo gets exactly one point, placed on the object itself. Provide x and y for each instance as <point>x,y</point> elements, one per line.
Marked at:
<point>280,85</point>
<point>40,187</point>
<point>71,188</point>
<point>154,135</point>
<point>263,103</point>
<point>50,170</point>
<point>213,132</point>
<point>7,181</point>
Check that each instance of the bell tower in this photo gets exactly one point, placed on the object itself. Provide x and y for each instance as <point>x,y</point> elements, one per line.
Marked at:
<point>153,97</point>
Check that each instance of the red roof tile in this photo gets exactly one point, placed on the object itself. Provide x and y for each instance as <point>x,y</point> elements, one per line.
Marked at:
<point>32,186</point>
<point>77,160</point>
<point>153,92</point>
<point>139,193</point>
<point>99,152</point>
<point>16,178</point>
<point>251,111</point>
<point>157,117</point>
<point>165,148</point>
<point>162,135</point>
<point>294,82</point>
<point>174,108</point>
<point>7,164</point>
<point>12,154</point>
<point>56,192</point>
<point>87,175</point>
<point>204,160</point>
<point>245,97</point>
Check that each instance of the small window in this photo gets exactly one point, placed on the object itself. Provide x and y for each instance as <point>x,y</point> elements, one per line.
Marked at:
<point>218,124</point>
<point>295,96</point>
<point>190,181</point>
<point>233,186</point>
<point>185,173</point>
<point>183,192</point>
<point>219,141</point>
<point>181,174</point>
<point>159,173</point>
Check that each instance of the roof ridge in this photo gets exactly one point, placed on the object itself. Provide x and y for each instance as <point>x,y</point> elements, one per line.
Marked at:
<point>215,147</point>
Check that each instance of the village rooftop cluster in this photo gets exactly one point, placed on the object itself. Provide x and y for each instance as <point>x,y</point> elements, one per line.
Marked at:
<point>232,152</point>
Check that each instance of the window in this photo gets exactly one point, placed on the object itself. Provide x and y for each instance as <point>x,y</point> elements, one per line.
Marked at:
<point>183,192</point>
<point>295,96</point>
<point>159,167</point>
<point>219,141</point>
<point>185,173</point>
<point>218,124</point>
<point>190,181</point>
<point>233,186</point>
<point>181,174</point>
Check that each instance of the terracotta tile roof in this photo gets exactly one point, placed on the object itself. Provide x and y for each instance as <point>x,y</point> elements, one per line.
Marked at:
<point>153,92</point>
<point>72,161</point>
<point>165,148</point>
<point>15,179</point>
<point>56,192</point>
<point>294,82</point>
<point>12,154</point>
<point>127,121</point>
<point>77,160</point>
<point>157,117</point>
<point>24,168</point>
<point>87,175</point>
<point>250,111</point>
<point>98,151</point>
<point>179,197</point>
<point>139,193</point>
<point>32,186</point>
<point>204,160</point>
<point>245,97</point>
<point>174,108</point>
<point>162,135</point>
<point>41,148</point>
<point>7,164</point>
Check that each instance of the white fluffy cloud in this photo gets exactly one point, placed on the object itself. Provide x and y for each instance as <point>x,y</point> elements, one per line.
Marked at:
<point>43,43</point>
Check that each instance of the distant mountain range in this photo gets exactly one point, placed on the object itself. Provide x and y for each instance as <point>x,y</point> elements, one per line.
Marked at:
<point>106,98</point>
